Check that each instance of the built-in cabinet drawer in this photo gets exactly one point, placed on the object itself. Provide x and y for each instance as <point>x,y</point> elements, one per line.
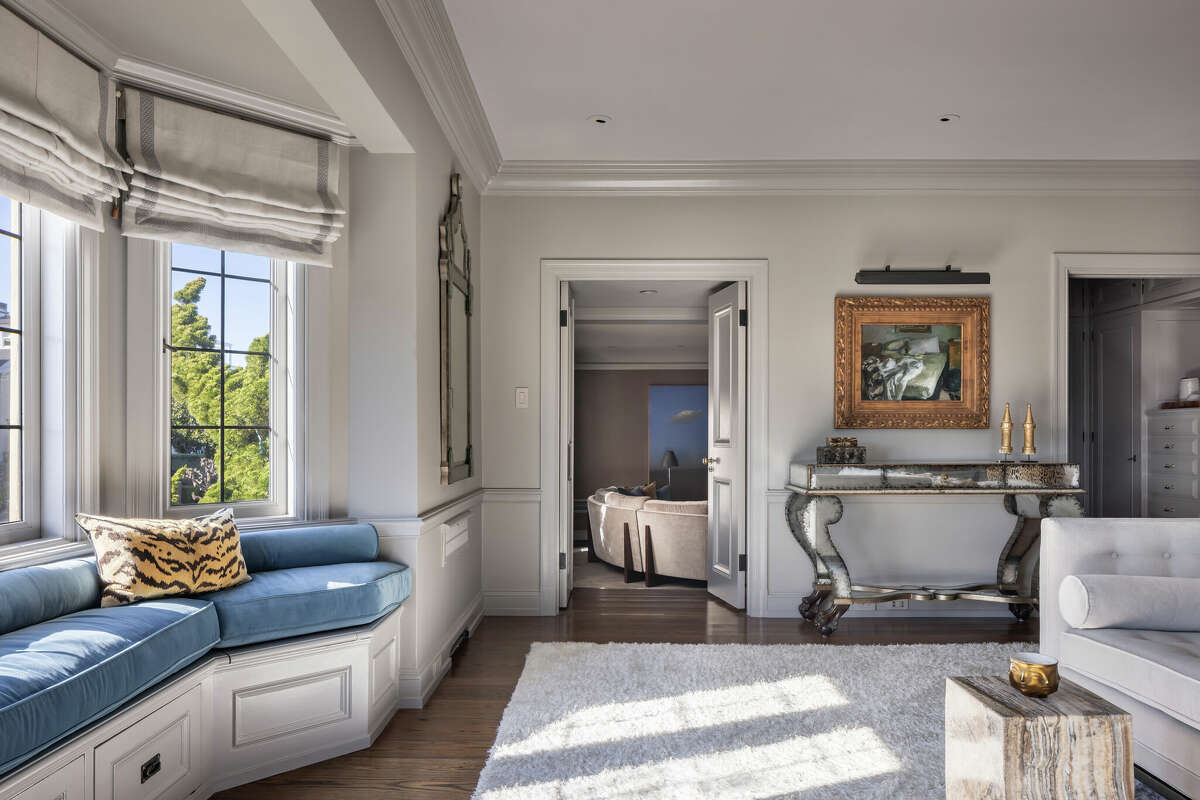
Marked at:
<point>1165,506</point>
<point>1185,445</point>
<point>68,782</point>
<point>1175,425</point>
<point>156,758</point>
<point>1175,486</point>
<point>1174,464</point>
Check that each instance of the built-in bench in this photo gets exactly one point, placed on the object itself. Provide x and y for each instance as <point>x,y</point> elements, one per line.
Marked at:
<point>249,680</point>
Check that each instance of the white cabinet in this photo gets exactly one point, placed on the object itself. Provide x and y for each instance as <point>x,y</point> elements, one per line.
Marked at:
<point>1173,469</point>
<point>68,782</point>
<point>158,757</point>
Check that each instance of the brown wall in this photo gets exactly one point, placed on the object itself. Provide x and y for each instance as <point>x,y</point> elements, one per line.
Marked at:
<point>612,425</point>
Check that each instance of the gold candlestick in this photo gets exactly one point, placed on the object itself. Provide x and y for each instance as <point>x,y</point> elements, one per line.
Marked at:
<point>1029,425</point>
<point>1006,426</point>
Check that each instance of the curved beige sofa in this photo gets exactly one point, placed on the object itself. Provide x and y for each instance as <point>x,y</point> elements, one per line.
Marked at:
<point>652,537</point>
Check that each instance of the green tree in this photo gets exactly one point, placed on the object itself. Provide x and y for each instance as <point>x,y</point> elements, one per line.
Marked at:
<point>197,457</point>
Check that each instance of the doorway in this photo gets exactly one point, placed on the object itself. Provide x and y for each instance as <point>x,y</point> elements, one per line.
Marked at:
<point>1132,336</point>
<point>650,327</point>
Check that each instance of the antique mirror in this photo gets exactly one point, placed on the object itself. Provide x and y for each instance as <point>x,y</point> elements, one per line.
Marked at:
<point>454,268</point>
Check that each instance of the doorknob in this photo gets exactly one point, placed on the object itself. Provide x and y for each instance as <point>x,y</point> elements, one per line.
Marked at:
<point>710,462</point>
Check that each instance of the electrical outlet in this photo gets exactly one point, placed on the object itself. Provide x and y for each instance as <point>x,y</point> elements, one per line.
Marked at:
<point>900,604</point>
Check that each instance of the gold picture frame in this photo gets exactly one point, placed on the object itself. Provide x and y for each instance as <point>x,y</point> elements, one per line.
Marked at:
<point>923,377</point>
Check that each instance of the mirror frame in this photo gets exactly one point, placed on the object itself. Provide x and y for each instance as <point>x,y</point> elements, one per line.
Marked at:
<point>452,237</point>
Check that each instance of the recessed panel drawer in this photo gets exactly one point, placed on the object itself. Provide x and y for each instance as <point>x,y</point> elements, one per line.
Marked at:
<point>1164,506</point>
<point>69,782</point>
<point>156,757</point>
<point>1181,425</point>
<point>1171,464</point>
<point>1185,445</point>
<point>1179,486</point>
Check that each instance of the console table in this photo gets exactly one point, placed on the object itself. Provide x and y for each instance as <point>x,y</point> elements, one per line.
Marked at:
<point>1030,491</point>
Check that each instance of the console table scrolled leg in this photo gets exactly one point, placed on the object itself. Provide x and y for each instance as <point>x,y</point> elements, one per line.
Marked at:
<point>1018,565</point>
<point>809,519</point>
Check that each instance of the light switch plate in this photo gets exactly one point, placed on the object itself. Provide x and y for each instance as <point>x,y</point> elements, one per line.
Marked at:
<point>522,397</point>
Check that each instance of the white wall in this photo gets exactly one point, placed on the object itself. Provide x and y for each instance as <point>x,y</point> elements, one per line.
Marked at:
<point>814,246</point>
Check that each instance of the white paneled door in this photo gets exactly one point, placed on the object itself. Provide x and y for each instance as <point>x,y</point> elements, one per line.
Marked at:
<point>1118,415</point>
<point>727,444</point>
<point>566,393</point>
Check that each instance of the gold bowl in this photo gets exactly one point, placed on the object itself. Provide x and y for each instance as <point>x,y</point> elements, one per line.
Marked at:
<point>1033,674</point>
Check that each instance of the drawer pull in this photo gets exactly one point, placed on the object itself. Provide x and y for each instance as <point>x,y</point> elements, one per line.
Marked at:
<point>1168,510</point>
<point>151,767</point>
<point>1168,446</point>
<point>1168,466</point>
<point>1168,427</point>
<point>1170,487</point>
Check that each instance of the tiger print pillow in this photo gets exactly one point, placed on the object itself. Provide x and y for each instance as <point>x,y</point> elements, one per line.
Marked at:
<point>140,559</point>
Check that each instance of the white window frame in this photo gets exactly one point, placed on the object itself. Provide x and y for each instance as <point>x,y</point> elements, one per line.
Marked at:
<point>286,406</point>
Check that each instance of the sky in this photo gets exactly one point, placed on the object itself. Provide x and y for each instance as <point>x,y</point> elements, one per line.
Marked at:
<point>247,303</point>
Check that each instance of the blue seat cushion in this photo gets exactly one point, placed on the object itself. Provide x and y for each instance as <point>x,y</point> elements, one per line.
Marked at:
<point>285,548</point>
<point>59,675</point>
<point>291,602</point>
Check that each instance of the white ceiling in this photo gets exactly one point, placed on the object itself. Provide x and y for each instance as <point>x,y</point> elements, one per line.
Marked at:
<point>641,337</point>
<point>215,39</point>
<point>628,294</point>
<point>829,79</point>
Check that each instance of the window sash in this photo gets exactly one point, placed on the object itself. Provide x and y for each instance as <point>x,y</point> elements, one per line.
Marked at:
<point>283,491</point>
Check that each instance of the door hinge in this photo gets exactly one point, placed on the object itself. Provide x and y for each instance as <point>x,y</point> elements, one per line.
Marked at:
<point>562,318</point>
<point>562,560</point>
<point>742,562</point>
<point>743,317</point>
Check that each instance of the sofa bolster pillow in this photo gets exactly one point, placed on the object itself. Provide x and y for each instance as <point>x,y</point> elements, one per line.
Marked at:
<point>288,548</point>
<point>29,595</point>
<point>1140,602</point>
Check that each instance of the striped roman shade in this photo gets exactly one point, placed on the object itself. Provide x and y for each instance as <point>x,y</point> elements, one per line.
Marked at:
<point>205,178</point>
<point>57,127</point>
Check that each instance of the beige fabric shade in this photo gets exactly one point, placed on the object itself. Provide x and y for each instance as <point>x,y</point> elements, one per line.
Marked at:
<point>57,127</point>
<point>206,178</point>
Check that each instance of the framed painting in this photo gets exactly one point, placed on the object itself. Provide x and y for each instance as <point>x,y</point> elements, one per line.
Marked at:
<point>911,362</point>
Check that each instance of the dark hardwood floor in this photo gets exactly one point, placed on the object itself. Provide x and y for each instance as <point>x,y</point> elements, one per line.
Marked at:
<point>438,751</point>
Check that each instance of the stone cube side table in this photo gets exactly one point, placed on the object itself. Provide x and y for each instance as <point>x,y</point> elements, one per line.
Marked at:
<point>1002,745</point>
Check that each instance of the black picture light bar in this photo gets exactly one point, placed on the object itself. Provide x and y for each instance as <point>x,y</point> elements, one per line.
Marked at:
<point>912,276</point>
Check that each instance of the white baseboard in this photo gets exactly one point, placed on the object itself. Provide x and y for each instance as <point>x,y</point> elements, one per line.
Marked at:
<point>417,687</point>
<point>512,604</point>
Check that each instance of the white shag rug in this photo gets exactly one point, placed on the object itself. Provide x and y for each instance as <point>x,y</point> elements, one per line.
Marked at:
<point>731,721</point>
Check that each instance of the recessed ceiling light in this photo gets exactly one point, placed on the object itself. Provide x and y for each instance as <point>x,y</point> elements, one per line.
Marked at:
<point>600,119</point>
<point>648,291</point>
<point>949,118</point>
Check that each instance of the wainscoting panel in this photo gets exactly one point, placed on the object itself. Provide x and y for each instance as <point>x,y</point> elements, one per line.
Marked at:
<point>511,519</point>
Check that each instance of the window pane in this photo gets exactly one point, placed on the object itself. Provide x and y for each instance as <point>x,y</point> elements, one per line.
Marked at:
<point>10,379</point>
<point>10,280</point>
<point>247,464</point>
<point>250,266</point>
<point>193,467</point>
<point>10,476</point>
<point>195,310</point>
<point>247,315</point>
<point>195,389</point>
<point>248,390</point>
<point>9,215</point>
<point>189,256</point>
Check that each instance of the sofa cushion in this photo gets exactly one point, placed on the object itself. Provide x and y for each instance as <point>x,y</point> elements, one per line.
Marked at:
<point>309,547</point>
<point>693,507</point>
<point>292,602</point>
<point>1142,602</point>
<point>141,559</point>
<point>30,595</point>
<point>617,500</point>
<point>1159,668</point>
<point>59,675</point>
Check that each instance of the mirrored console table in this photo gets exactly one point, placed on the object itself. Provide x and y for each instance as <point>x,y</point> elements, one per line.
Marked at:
<point>1030,491</point>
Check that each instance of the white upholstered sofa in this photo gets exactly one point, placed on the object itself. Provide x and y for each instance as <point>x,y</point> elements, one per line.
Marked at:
<point>1135,642</point>
<point>648,537</point>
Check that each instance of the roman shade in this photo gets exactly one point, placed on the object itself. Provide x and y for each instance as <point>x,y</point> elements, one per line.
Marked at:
<point>205,178</point>
<point>57,127</point>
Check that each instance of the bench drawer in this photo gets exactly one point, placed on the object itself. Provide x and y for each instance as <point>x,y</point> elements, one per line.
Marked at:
<point>1171,464</point>
<point>1164,506</point>
<point>66,783</point>
<point>1175,486</point>
<point>156,758</point>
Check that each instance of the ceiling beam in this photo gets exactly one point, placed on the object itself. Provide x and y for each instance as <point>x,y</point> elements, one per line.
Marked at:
<point>303,35</point>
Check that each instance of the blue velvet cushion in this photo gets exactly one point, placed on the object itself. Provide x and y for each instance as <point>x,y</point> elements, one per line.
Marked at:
<point>57,676</point>
<point>30,595</point>
<point>309,547</point>
<point>292,602</point>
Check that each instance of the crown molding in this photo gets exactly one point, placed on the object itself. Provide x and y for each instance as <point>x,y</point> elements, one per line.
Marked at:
<point>622,314</point>
<point>423,31</point>
<point>87,43</point>
<point>910,176</point>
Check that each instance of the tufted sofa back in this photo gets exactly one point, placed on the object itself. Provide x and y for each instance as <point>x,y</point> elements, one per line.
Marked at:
<point>1158,547</point>
<point>29,595</point>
